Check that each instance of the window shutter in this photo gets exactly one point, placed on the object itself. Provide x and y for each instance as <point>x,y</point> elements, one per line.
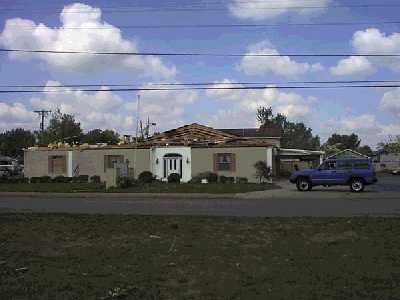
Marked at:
<point>215,162</point>
<point>233,164</point>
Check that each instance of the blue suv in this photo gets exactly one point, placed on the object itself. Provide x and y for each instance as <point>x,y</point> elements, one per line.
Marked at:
<point>356,173</point>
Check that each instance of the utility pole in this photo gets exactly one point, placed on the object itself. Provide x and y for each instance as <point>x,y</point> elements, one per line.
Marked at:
<point>43,114</point>
<point>136,135</point>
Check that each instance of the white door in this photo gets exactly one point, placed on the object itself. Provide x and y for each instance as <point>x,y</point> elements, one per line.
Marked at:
<point>172,165</point>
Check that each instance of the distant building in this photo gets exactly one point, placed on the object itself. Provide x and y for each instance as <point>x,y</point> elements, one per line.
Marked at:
<point>386,161</point>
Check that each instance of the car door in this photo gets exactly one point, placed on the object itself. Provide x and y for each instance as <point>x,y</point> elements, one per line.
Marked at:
<point>343,171</point>
<point>324,174</point>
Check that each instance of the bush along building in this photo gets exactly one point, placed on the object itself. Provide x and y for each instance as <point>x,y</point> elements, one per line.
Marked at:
<point>187,151</point>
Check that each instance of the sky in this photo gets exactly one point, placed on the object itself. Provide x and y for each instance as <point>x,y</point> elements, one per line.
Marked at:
<point>372,113</point>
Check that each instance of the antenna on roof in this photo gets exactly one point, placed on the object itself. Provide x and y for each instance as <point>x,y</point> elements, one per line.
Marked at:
<point>43,114</point>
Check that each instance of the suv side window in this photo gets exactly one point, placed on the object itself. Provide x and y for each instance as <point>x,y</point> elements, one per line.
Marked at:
<point>345,165</point>
<point>329,165</point>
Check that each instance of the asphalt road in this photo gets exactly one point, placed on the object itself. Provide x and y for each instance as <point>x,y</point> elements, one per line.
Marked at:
<point>382,199</point>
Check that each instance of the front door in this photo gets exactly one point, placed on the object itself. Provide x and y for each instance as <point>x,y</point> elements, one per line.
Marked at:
<point>172,165</point>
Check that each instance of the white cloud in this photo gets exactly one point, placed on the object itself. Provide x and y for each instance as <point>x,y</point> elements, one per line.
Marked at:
<point>166,108</point>
<point>102,109</point>
<point>370,41</point>
<point>15,115</point>
<point>353,66</point>
<point>244,103</point>
<point>265,9</point>
<point>283,66</point>
<point>26,34</point>
<point>366,126</point>
<point>391,102</point>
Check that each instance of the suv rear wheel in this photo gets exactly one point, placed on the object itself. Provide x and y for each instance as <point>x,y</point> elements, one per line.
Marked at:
<point>357,185</point>
<point>303,184</point>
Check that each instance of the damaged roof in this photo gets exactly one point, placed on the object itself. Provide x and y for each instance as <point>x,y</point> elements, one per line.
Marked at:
<point>200,135</point>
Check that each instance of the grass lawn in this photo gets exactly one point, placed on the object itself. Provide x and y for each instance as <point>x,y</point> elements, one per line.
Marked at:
<point>212,188</point>
<point>51,187</point>
<point>45,256</point>
<point>143,188</point>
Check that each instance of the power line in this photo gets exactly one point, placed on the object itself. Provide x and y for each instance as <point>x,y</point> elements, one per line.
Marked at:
<point>200,88</point>
<point>199,84</point>
<point>194,26</point>
<point>184,9</point>
<point>195,54</point>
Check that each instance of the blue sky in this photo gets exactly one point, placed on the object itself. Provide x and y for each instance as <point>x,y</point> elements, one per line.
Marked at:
<point>372,113</point>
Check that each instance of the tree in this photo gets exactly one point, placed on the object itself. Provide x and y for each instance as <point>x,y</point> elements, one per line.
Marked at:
<point>294,135</point>
<point>263,172</point>
<point>391,145</point>
<point>13,142</point>
<point>62,128</point>
<point>366,150</point>
<point>264,114</point>
<point>343,142</point>
<point>338,142</point>
<point>101,136</point>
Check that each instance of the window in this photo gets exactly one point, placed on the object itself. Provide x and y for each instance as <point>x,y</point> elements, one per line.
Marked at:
<point>111,160</point>
<point>329,165</point>
<point>345,165</point>
<point>224,162</point>
<point>57,164</point>
<point>361,164</point>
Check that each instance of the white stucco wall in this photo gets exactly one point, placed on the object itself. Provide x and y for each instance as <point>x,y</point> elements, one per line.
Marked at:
<point>158,153</point>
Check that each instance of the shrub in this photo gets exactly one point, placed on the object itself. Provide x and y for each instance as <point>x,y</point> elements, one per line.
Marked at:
<point>81,179</point>
<point>146,177</point>
<point>210,176</point>
<point>195,179</point>
<point>174,178</point>
<point>14,180</point>
<point>34,179</point>
<point>42,179</point>
<point>61,179</point>
<point>225,179</point>
<point>125,182</point>
<point>95,179</point>
<point>262,170</point>
<point>242,180</point>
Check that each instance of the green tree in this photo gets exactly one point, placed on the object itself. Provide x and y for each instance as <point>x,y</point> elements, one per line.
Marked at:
<point>339,142</point>
<point>344,141</point>
<point>12,142</point>
<point>264,114</point>
<point>101,136</point>
<point>62,128</point>
<point>293,135</point>
<point>391,145</point>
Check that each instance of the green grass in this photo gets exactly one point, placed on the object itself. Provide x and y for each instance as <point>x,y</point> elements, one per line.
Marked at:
<point>212,188</point>
<point>51,187</point>
<point>143,257</point>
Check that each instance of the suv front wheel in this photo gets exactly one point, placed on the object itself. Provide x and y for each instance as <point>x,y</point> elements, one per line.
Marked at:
<point>303,184</point>
<point>357,185</point>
